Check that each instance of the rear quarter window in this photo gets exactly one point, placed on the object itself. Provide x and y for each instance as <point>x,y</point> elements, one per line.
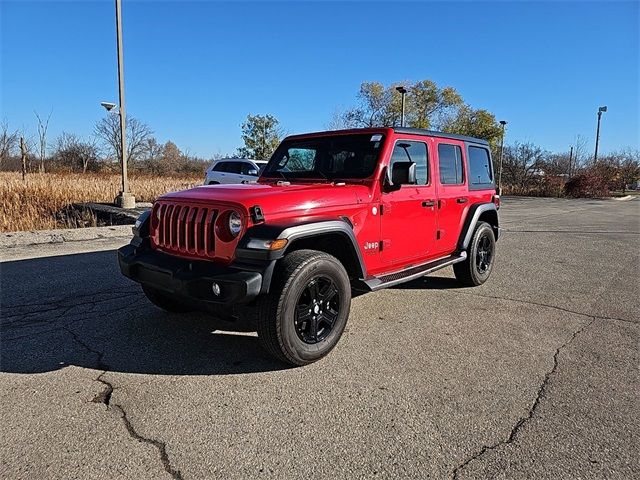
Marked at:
<point>480,169</point>
<point>220,167</point>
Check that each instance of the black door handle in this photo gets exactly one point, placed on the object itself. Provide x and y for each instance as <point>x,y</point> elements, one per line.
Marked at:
<point>462,200</point>
<point>428,203</point>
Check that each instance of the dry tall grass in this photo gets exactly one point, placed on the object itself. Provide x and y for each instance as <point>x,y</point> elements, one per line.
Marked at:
<point>34,204</point>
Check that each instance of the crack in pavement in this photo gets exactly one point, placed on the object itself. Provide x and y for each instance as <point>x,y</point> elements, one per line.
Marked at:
<point>582,232</point>
<point>161,446</point>
<point>532,409</point>
<point>55,304</point>
<point>89,313</point>
<point>104,397</point>
<point>539,304</point>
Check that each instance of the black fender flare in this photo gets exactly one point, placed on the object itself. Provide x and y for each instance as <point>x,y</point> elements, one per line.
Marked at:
<point>293,232</point>
<point>471,221</point>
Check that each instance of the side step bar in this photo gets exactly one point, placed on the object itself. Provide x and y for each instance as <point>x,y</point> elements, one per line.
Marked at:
<point>386,281</point>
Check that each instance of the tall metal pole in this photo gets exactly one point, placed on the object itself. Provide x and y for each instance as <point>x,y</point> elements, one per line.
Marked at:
<point>595,154</point>
<point>570,158</point>
<point>122,111</point>
<point>503,123</point>
<point>600,110</point>
<point>402,91</point>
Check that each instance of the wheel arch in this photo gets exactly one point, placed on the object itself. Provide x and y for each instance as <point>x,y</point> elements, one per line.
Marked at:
<point>482,212</point>
<point>335,237</point>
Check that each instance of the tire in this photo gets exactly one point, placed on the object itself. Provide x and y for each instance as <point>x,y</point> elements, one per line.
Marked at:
<point>164,301</point>
<point>291,326</point>
<point>476,269</point>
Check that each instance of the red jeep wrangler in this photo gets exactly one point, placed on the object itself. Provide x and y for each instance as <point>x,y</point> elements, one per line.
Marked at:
<point>333,213</point>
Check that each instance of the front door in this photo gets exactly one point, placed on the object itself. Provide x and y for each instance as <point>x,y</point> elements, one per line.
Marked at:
<point>409,215</point>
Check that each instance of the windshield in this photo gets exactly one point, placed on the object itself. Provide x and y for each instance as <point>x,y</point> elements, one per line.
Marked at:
<point>330,157</point>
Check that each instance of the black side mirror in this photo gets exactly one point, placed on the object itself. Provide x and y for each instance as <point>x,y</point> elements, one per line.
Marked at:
<point>403,173</point>
<point>400,173</point>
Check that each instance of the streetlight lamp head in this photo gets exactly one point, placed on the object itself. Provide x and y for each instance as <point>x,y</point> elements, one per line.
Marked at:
<point>401,90</point>
<point>108,106</point>
<point>503,122</point>
<point>602,109</point>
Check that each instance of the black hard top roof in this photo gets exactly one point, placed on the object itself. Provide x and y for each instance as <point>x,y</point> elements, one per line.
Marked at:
<point>433,133</point>
<point>407,130</point>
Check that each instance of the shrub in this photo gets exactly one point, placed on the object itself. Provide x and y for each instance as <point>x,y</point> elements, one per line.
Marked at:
<point>587,184</point>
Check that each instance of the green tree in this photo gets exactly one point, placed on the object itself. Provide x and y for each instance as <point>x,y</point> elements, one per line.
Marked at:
<point>475,123</point>
<point>426,105</point>
<point>261,135</point>
<point>429,106</point>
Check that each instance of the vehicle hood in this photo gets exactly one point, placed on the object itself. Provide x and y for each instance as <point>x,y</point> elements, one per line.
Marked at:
<point>275,199</point>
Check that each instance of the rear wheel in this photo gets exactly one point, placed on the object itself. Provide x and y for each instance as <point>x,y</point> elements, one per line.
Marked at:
<point>304,315</point>
<point>476,269</point>
<point>164,301</point>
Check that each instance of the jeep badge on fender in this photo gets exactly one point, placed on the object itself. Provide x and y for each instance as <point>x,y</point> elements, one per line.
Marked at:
<point>332,212</point>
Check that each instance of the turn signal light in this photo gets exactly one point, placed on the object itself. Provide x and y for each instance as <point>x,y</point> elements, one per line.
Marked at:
<point>278,244</point>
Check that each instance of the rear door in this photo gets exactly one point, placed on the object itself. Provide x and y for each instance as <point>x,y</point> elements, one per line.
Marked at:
<point>453,199</point>
<point>248,173</point>
<point>408,217</point>
<point>233,172</point>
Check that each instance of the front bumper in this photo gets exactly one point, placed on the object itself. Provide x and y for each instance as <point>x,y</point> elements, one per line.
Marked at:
<point>192,279</point>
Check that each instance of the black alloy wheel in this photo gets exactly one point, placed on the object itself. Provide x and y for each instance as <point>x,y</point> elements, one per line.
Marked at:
<point>477,267</point>
<point>484,254</point>
<point>317,310</point>
<point>305,312</point>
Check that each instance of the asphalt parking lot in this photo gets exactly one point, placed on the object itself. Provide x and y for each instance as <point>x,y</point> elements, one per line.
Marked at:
<point>533,375</point>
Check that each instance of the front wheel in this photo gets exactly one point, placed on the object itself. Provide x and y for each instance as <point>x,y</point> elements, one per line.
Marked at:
<point>304,315</point>
<point>476,269</point>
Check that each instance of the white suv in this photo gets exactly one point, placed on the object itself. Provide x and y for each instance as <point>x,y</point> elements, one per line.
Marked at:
<point>233,170</point>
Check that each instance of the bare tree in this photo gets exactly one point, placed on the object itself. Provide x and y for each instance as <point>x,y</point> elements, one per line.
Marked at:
<point>138,134</point>
<point>8,142</point>
<point>523,165</point>
<point>581,157</point>
<point>24,151</point>
<point>42,139</point>
<point>73,152</point>
<point>630,169</point>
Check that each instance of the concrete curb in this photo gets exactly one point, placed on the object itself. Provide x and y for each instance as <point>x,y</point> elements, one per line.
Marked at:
<point>40,237</point>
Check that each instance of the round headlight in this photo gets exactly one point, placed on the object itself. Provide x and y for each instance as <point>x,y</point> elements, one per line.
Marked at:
<point>235,223</point>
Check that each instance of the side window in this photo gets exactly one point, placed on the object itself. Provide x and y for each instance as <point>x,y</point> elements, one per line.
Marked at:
<point>247,168</point>
<point>480,172</point>
<point>408,151</point>
<point>234,167</point>
<point>220,167</point>
<point>450,161</point>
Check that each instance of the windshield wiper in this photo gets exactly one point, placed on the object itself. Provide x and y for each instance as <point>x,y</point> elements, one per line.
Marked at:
<point>323,175</point>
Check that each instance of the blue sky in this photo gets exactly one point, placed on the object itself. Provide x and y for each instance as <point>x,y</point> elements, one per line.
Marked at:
<point>194,70</point>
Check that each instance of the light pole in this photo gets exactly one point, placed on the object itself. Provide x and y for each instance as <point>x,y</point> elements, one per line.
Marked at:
<point>402,92</point>
<point>600,110</point>
<point>570,158</point>
<point>503,123</point>
<point>124,199</point>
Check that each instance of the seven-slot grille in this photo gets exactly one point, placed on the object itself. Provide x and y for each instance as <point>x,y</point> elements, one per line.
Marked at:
<point>185,229</point>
